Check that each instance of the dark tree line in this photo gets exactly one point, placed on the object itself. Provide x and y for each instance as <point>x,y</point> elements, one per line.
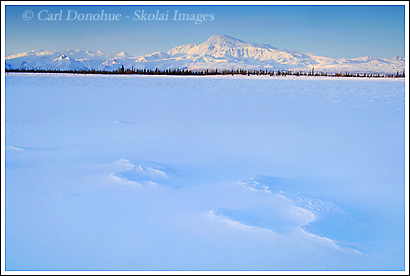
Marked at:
<point>206,72</point>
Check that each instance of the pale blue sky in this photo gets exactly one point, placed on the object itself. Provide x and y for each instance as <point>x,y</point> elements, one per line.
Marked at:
<point>333,31</point>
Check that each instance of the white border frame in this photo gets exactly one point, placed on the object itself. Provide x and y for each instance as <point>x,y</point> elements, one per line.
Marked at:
<point>202,3</point>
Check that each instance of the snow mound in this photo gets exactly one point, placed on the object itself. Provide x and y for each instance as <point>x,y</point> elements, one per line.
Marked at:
<point>142,173</point>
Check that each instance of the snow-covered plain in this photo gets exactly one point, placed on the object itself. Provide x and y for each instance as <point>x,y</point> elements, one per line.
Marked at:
<point>204,173</point>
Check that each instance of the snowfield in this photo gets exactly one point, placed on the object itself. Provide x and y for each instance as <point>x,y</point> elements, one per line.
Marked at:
<point>204,173</point>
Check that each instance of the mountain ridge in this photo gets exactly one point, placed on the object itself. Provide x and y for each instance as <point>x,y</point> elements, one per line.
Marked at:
<point>218,52</point>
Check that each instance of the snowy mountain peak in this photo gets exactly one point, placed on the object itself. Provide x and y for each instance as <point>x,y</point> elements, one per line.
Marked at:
<point>398,58</point>
<point>61,57</point>
<point>224,41</point>
<point>123,55</point>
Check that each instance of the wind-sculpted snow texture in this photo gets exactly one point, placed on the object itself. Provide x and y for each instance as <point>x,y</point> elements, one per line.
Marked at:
<point>218,52</point>
<point>204,173</point>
